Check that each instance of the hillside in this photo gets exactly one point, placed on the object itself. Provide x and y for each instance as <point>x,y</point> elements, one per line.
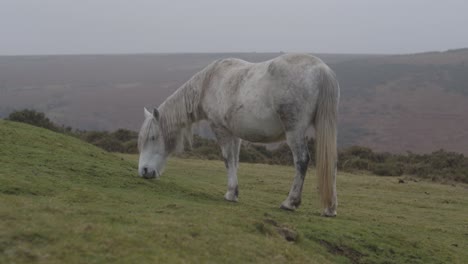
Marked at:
<point>64,201</point>
<point>415,102</point>
<point>103,92</point>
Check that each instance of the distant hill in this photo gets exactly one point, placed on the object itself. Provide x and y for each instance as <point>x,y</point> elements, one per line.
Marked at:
<point>415,102</point>
<point>408,102</point>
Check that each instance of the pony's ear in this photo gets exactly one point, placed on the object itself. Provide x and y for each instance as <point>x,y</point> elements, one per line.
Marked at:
<point>147,113</point>
<point>156,113</point>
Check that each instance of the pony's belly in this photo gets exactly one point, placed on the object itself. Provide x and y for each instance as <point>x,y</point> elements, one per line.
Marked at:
<point>258,129</point>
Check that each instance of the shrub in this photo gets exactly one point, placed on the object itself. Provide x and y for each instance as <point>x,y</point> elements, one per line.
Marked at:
<point>439,165</point>
<point>34,118</point>
<point>361,152</point>
<point>251,154</point>
<point>282,155</point>
<point>124,135</point>
<point>130,146</point>
<point>388,169</point>
<point>355,163</point>
<point>110,144</point>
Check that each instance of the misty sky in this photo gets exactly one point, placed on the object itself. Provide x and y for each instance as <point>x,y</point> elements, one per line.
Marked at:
<point>141,26</point>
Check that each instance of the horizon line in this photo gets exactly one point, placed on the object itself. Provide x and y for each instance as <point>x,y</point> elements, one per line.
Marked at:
<point>221,52</point>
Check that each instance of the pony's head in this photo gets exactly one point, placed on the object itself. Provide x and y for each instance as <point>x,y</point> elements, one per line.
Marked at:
<point>153,154</point>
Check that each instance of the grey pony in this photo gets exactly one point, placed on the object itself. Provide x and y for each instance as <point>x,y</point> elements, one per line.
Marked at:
<point>259,102</point>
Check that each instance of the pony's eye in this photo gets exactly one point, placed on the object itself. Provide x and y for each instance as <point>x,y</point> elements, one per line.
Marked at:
<point>152,138</point>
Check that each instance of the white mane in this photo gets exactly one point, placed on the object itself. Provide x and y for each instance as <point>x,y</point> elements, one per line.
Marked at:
<point>180,111</point>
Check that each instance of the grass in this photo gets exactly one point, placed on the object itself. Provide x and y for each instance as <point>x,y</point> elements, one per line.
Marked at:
<point>64,201</point>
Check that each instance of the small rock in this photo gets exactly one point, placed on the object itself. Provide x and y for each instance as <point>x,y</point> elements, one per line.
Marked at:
<point>401,181</point>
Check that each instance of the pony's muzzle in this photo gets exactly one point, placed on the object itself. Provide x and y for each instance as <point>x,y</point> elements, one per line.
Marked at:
<point>148,174</point>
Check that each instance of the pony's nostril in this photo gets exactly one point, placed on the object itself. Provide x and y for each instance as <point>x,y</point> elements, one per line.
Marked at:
<point>145,170</point>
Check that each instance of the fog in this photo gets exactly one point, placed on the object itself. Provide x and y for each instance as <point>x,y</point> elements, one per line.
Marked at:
<point>149,26</point>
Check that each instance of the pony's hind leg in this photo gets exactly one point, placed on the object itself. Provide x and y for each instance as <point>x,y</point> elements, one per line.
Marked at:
<point>298,144</point>
<point>230,147</point>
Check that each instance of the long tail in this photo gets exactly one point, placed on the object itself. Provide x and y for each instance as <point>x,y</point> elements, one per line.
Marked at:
<point>326,132</point>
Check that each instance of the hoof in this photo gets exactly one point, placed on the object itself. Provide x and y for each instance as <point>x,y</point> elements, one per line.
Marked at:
<point>286,205</point>
<point>329,213</point>
<point>287,208</point>
<point>231,197</point>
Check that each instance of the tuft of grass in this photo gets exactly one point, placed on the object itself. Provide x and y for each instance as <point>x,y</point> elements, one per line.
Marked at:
<point>64,201</point>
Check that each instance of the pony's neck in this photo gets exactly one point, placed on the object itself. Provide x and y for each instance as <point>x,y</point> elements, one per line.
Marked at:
<point>179,111</point>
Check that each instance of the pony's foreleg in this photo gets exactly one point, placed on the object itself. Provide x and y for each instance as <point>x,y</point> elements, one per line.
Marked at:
<point>231,161</point>
<point>298,145</point>
<point>230,147</point>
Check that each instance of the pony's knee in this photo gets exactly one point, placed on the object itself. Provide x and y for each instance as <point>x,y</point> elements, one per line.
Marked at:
<point>303,162</point>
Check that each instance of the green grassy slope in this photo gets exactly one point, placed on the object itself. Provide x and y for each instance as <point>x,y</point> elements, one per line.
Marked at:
<point>64,201</point>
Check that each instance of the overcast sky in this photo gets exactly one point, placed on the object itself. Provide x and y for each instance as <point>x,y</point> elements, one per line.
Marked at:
<point>141,26</point>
